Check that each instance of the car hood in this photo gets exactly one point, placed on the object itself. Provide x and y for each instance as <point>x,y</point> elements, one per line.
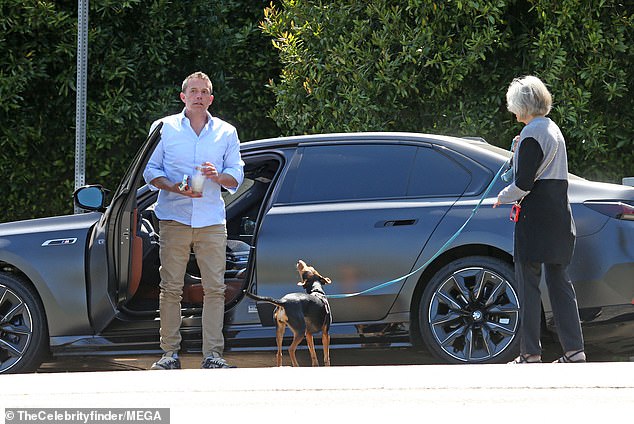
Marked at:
<point>51,224</point>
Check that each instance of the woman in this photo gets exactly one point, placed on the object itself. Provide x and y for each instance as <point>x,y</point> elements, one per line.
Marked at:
<point>544,229</point>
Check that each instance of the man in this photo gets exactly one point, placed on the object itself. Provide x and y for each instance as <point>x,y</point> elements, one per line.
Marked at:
<point>193,140</point>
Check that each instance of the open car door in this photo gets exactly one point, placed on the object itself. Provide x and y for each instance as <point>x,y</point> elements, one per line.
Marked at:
<point>115,249</point>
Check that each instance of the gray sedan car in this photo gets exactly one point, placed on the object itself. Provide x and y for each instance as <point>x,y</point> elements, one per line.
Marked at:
<point>378,213</point>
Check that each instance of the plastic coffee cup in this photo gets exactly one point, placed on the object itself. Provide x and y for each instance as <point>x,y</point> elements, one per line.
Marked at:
<point>198,180</point>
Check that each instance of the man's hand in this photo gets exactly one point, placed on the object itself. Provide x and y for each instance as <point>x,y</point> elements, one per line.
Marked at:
<point>163,183</point>
<point>225,180</point>
<point>209,170</point>
<point>188,191</point>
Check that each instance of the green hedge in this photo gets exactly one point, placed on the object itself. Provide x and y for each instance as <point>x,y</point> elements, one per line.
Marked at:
<point>349,65</point>
<point>139,53</point>
<point>444,66</point>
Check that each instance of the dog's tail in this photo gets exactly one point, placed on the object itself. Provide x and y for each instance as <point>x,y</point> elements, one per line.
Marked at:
<point>276,302</point>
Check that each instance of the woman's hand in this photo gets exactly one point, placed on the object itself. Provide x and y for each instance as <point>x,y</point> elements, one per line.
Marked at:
<point>516,140</point>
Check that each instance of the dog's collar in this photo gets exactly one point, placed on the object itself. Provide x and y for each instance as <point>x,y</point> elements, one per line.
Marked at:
<point>322,296</point>
<point>317,289</point>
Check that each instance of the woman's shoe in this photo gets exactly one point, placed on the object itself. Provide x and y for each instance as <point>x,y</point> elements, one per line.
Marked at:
<point>576,357</point>
<point>526,359</point>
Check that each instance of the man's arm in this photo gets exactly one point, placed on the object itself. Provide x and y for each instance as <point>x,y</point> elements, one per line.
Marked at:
<point>233,173</point>
<point>226,180</point>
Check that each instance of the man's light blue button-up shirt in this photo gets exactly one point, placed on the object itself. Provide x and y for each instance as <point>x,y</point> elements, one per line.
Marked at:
<point>178,152</point>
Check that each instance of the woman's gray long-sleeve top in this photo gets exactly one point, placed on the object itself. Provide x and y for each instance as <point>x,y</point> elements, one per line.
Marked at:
<point>545,231</point>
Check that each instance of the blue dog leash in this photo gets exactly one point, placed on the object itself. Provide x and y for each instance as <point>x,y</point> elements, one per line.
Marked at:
<point>442,248</point>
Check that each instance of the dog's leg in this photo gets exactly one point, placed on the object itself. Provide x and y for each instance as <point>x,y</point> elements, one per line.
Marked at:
<point>325,341</point>
<point>297,339</point>
<point>279,338</point>
<point>311,348</point>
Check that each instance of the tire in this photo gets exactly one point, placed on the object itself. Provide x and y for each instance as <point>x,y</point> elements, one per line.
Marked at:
<point>469,312</point>
<point>23,331</point>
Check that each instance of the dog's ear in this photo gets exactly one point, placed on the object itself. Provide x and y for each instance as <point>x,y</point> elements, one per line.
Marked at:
<point>325,280</point>
<point>322,279</point>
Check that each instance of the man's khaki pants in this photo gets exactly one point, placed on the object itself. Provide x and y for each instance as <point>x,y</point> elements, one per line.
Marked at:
<point>209,245</point>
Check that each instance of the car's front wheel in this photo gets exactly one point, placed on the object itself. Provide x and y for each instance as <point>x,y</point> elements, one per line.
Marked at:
<point>22,326</point>
<point>469,312</point>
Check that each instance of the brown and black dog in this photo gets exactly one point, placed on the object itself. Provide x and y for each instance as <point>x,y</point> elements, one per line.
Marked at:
<point>305,313</point>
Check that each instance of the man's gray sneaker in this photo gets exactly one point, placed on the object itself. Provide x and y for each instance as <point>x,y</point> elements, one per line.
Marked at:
<point>212,362</point>
<point>169,361</point>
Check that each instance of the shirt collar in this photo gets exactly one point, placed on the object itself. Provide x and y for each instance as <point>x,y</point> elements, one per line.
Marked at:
<point>210,121</point>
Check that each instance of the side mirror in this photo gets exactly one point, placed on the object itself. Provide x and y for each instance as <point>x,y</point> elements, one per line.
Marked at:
<point>90,197</point>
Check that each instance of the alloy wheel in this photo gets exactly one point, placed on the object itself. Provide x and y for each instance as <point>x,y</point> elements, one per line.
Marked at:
<point>16,328</point>
<point>474,315</point>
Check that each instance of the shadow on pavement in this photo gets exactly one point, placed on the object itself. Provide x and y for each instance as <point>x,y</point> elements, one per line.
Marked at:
<point>262,359</point>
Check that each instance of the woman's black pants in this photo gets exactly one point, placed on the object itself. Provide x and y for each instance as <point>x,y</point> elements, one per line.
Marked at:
<point>563,301</point>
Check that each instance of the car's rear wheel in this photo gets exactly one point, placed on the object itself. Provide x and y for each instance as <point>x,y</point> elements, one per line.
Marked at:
<point>469,312</point>
<point>22,327</point>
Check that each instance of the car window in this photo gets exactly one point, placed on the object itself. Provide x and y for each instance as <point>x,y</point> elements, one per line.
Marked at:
<point>434,174</point>
<point>353,172</point>
<point>229,198</point>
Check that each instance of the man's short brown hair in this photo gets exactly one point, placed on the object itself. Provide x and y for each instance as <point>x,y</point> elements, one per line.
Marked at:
<point>200,75</point>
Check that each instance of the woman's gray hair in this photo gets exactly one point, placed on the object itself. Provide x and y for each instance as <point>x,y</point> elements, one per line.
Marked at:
<point>528,96</point>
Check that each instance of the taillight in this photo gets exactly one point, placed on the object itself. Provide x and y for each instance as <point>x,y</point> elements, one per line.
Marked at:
<point>618,210</point>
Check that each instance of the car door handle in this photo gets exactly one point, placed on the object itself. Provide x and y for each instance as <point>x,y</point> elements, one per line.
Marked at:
<point>396,223</point>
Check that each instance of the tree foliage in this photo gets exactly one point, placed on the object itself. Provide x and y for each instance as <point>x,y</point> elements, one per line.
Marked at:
<point>37,112</point>
<point>444,66</point>
<point>438,66</point>
<point>139,52</point>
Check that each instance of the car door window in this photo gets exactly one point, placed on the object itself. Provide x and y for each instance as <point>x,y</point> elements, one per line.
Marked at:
<point>435,174</point>
<point>376,171</point>
<point>353,172</point>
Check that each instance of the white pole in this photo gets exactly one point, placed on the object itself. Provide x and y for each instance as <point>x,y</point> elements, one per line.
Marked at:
<point>80,122</point>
